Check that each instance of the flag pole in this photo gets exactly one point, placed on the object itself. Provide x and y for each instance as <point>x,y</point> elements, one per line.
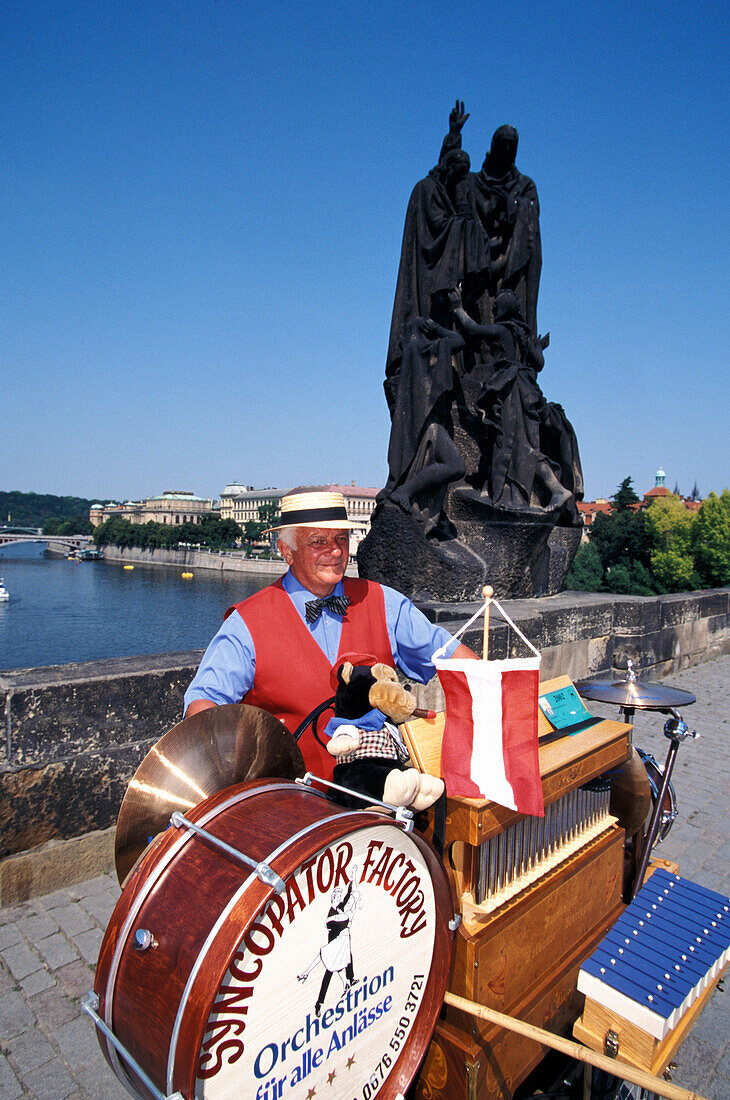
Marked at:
<point>487,592</point>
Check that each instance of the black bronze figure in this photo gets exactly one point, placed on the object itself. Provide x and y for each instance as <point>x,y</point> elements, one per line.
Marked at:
<point>484,473</point>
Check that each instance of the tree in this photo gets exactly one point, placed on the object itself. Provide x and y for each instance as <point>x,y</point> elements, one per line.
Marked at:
<point>624,496</point>
<point>629,579</point>
<point>668,523</point>
<point>586,572</point>
<point>711,540</point>
<point>65,525</point>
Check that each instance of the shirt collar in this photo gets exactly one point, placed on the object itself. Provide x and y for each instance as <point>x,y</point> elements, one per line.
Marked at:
<point>300,594</point>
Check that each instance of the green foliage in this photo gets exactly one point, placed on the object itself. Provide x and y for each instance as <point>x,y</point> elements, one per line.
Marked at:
<point>269,513</point>
<point>629,579</point>
<point>669,527</point>
<point>624,496</point>
<point>68,526</point>
<point>253,530</point>
<point>674,571</point>
<point>35,509</point>
<point>586,572</point>
<point>212,533</point>
<point>663,548</point>
<point>620,538</point>
<point>711,540</point>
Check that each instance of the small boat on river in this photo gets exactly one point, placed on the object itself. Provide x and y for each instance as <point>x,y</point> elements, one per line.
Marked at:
<point>4,594</point>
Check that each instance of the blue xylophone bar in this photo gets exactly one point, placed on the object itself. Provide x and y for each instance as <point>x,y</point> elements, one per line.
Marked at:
<point>661,954</point>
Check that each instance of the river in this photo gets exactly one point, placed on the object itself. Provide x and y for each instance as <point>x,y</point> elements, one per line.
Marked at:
<point>61,611</point>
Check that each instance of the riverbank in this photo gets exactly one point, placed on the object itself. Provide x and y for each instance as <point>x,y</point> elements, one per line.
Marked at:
<point>229,561</point>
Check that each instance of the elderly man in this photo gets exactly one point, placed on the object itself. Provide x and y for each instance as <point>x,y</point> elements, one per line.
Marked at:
<point>275,649</point>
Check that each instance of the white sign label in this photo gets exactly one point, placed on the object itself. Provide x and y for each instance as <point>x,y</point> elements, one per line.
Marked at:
<point>321,996</point>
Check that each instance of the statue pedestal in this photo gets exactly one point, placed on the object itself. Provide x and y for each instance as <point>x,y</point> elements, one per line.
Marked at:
<point>520,554</point>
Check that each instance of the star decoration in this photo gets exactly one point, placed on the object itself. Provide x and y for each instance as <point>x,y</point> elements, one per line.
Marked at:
<point>350,1061</point>
<point>331,1077</point>
<point>311,1093</point>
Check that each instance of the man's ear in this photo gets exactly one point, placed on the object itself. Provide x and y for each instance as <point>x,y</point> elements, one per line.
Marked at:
<point>344,672</point>
<point>285,551</point>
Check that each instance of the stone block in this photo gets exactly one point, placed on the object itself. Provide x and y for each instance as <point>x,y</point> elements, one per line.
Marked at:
<point>600,655</point>
<point>51,1081</point>
<point>52,721</point>
<point>56,951</point>
<point>89,943</point>
<point>680,607</point>
<point>66,798</point>
<point>686,639</point>
<point>15,1016</point>
<point>10,1087</point>
<point>565,660</point>
<point>57,863</point>
<point>20,960</point>
<point>37,982</point>
<point>30,1050</point>
<point>636,614</point>
<point>645,650</point>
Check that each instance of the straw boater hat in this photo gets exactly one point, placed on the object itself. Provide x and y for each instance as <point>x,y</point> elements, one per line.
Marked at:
<point>312,507</point>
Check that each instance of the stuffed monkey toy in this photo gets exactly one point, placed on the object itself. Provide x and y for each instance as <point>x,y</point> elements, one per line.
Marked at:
<point>371,756</point>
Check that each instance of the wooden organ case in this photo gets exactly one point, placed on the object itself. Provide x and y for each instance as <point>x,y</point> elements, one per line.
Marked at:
<point>535,897</point>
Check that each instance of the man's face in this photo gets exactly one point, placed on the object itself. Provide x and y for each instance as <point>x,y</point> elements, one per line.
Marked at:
<point>320,558</point>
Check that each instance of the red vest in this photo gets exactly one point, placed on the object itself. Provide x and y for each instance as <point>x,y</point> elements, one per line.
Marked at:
<point>292,673</point>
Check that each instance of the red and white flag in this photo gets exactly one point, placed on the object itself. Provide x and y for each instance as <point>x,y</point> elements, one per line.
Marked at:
<point>490,745</point>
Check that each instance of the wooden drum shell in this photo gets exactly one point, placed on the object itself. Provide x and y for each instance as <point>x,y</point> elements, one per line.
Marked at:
<point>198,901</point>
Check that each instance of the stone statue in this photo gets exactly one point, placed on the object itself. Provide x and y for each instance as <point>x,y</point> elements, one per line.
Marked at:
<point>484,473</point>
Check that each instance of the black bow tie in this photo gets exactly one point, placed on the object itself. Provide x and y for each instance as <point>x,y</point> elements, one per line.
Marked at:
<point>337,604</point>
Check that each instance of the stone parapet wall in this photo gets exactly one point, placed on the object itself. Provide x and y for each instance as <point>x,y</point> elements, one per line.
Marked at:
<point>73,735</point>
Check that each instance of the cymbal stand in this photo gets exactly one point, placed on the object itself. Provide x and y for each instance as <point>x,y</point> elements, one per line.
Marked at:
<point>677,731</point>
<point>627,711</point>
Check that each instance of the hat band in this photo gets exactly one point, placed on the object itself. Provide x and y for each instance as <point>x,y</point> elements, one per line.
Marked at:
<point>311,515</point>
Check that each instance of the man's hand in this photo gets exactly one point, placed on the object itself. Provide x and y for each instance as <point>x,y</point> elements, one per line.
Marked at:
<point>197,705</point>
<point>457,118</point>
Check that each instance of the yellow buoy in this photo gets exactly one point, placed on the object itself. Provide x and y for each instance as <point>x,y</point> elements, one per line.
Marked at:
<point>187,576</point>
<point>127,567</point>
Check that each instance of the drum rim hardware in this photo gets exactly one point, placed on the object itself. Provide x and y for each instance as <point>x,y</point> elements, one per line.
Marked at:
<point>262,870</point>
<point>403,815</point>
<point>89,1006</point>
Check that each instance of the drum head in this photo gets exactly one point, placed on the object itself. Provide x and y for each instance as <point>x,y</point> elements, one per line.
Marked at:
<point>202,755</point>
<point>327,984</point>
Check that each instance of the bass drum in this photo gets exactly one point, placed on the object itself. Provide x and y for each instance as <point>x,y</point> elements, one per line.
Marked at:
<point>319,969</point>
<point>669,809</point>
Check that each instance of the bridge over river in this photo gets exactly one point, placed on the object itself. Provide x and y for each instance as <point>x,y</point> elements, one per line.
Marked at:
<point>12,535</point>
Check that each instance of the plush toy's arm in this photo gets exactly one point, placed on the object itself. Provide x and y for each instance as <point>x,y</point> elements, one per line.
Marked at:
<point>392,698</point>
<point>345,740</point>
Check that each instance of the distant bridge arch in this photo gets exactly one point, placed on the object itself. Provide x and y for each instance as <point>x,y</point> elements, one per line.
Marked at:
<point>17,535</point>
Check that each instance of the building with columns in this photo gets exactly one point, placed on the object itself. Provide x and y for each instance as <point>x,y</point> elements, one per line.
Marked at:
<point>173,506</point>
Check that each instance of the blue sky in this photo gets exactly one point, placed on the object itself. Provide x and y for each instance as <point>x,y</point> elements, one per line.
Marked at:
<point>203,207</point>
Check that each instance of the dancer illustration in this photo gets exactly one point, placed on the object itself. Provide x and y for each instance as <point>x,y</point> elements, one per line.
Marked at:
<point>336,954</point>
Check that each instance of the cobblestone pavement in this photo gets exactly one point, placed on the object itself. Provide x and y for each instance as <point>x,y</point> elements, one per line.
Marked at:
<point>49,946</point>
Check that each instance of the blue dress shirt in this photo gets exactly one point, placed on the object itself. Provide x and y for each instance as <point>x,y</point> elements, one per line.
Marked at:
<point>227,669</point>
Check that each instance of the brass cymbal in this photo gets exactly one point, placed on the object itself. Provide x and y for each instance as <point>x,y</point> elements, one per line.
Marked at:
<point>200,756</point>
<point>634,693</point>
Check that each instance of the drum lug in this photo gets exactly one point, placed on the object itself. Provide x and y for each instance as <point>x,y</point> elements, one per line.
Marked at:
<point>143,940</point>
<point>90,1006</point>
<point>262,870</point>
<point>455,922</point>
